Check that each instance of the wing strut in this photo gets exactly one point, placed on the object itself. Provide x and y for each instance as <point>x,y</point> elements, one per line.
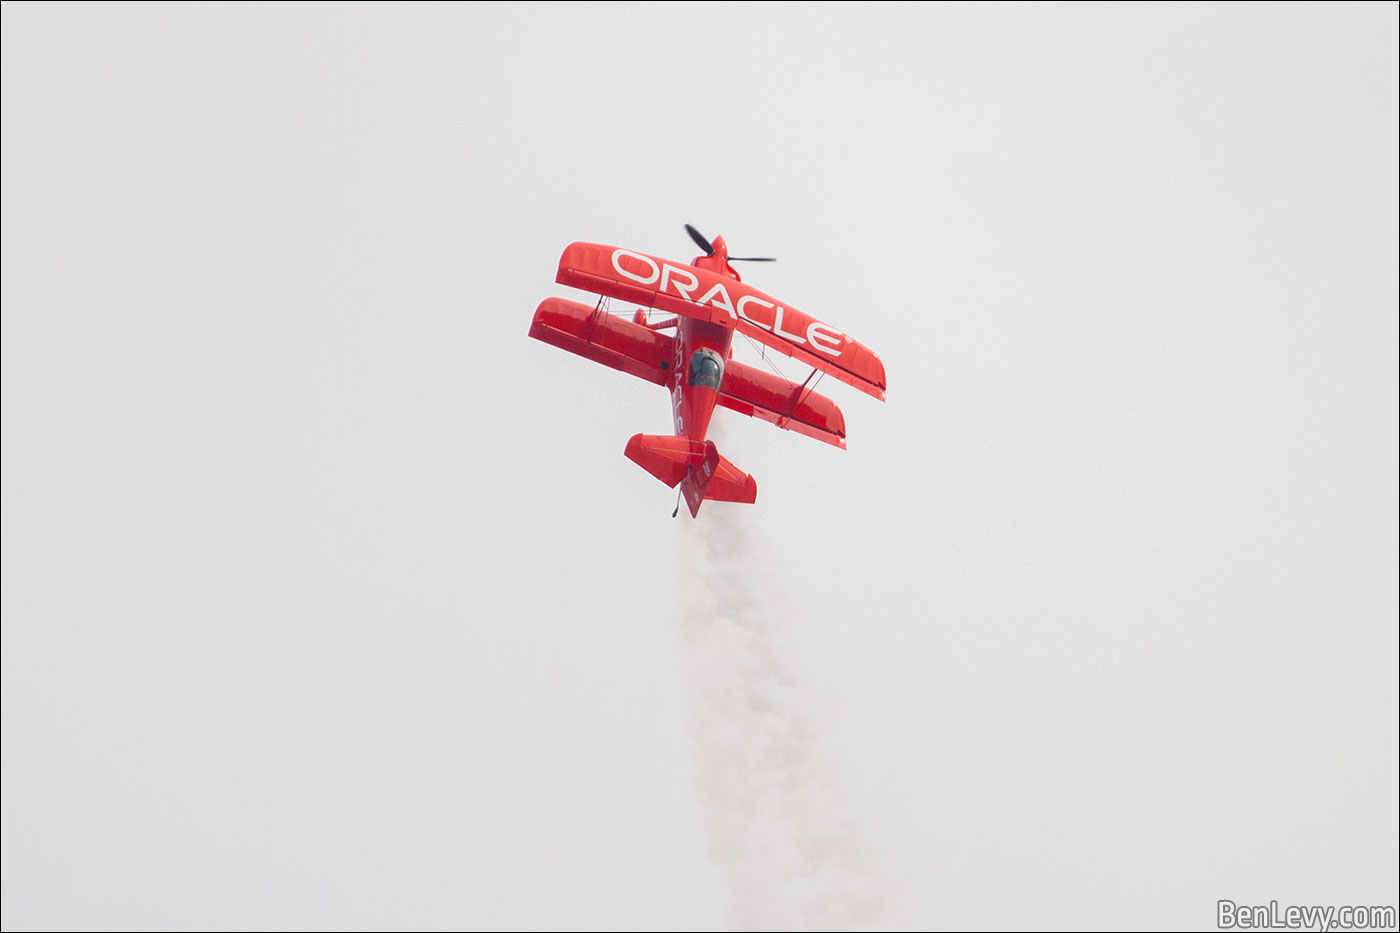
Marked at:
<point>801,398</point>
<point>801,394</point>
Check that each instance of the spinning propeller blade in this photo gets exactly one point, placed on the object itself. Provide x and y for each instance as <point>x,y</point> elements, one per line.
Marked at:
<point>709,249</point>
<point>700,240</point>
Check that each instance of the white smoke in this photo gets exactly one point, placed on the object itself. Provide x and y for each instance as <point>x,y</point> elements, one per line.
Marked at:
<point>774,823</point>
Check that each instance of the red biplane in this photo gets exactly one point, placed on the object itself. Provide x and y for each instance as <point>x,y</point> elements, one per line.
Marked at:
<point>710,303</point>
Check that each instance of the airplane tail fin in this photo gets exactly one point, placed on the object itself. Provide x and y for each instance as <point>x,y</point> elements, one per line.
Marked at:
<point>703,473</point>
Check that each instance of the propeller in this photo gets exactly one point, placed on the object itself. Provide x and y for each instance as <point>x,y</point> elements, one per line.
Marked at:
<point>709,249</point>
<point>700,240</point>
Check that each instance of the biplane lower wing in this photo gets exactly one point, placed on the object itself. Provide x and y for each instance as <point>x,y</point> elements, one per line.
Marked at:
<point>755,393</point>
<point>603,338</point>
<point>731,484</point>
<point>667,458</point>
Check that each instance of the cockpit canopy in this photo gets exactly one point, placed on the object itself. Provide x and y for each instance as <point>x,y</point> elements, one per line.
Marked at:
<point>706,369</point>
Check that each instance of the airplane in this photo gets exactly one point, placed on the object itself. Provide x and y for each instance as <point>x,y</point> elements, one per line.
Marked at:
<point>709,304</point>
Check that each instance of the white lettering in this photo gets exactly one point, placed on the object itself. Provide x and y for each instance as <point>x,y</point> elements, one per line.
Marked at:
<point>750,299</point>
<point>670,275</point>
<point>712,297</point>
<point>819,334</point>
<point>645,280</point>
<point>778,326</point>
<point>677,399</point>
<point>683,282</point>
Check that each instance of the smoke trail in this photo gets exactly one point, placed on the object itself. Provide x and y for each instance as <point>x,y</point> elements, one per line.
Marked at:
<point>791,856</point>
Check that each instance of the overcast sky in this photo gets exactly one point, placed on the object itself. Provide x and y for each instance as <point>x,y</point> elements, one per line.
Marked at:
<point>331,601</point>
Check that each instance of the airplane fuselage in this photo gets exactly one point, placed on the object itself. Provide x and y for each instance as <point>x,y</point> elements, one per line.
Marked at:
<point>701,350</point>
<point>692,400</point>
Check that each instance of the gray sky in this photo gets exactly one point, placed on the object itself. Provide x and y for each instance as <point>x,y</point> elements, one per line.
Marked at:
<point>330,600</point>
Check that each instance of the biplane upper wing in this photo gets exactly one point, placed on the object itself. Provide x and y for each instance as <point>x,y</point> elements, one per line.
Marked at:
<point>708,296</point>
<point>603,338</point>
<point>753,392</point>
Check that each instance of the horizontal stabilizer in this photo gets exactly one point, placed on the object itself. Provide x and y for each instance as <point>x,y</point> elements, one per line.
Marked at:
<point>666,457</point>
<point>697,467</point>
<point>730,485</point>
